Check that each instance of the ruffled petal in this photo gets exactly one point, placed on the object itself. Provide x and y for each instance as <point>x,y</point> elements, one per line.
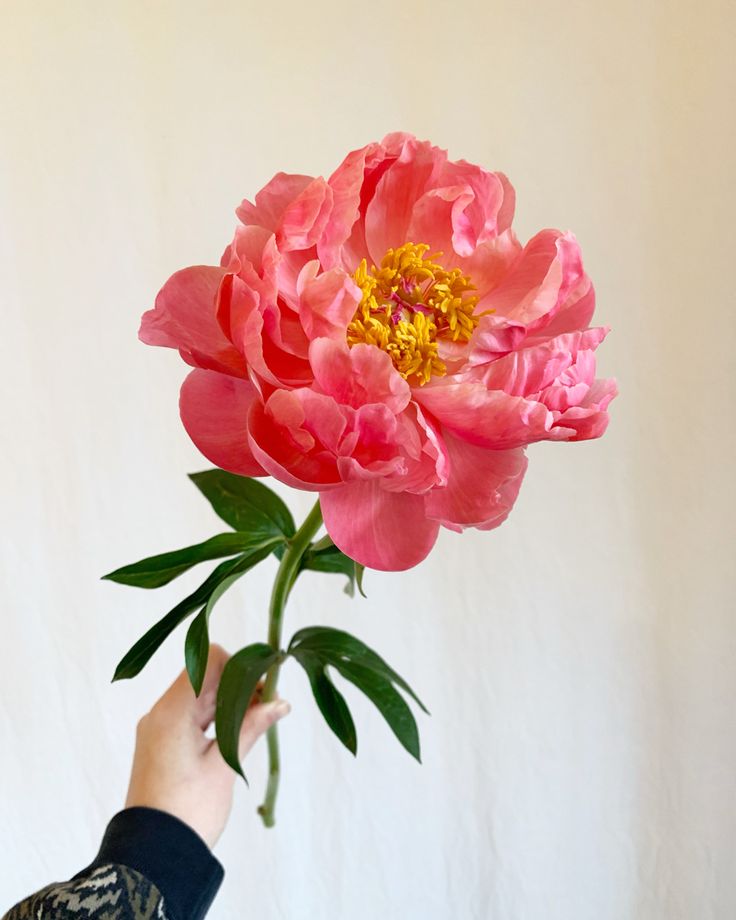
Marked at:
<point>358,375</point>
<point>214,410</point>
<point>589,419</point>
<point>294,208</point>
<point>185,317</point>
<point>305,218</point>
<point>532,370</point>
<point>482,486</point>
<point>388,531</point>
<point>573,313</point>
<point>296,438</point>
<point>327,302</point>
<point>549,267</point>
<point>461,211</point>
<point>388,216</point>
<point>488,418</point>
<point>273,200</point>
<point>353,185</point>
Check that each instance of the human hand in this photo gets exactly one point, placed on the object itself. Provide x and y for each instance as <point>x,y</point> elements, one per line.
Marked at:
<point>176,768</point>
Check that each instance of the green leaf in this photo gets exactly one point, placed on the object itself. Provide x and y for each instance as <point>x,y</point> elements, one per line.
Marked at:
<point>237,685</point>
<point>139,655</point>
<point>197,643</point>
<point>156,571</point>
<point>331,559</point>
<point>324,556</point>
<point>389,702</point>
<point>330,701</point>
<point>245,504</point>
<point>337,646</point>
<point>359,570</point>
<point>324,542</point>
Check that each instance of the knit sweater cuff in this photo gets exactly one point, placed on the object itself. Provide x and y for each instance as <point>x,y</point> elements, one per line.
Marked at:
<point>169,854</point>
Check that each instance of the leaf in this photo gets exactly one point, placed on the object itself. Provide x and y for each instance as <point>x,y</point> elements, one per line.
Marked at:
<point>324,542</point>
<point>335,645</point>
<point>389,702</point>
<point>139,655</point>
<point>331,559</point>
<point>330,701</point>
<point>237,685</point>
<point>156,571</point>
<point>245,504</point>
<point>359,570</point>
<point>197,643</point>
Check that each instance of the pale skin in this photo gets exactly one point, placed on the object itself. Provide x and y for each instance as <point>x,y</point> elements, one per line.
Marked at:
<point>176,768</point>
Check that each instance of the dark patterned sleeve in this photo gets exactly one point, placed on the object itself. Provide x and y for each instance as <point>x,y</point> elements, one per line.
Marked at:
<point>107,892</point>
<point>151,866</point>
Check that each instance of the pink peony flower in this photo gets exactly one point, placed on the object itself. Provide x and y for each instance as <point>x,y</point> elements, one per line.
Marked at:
<point>382,338</point>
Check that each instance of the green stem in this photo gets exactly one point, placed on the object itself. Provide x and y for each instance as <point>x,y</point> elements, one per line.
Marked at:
<point>285,577</point>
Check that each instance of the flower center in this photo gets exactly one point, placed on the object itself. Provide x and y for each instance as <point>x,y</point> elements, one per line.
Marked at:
<point>409,305</point>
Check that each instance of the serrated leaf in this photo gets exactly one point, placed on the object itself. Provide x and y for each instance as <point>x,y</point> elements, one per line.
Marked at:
<point>335,645</point>
<point>389,702</point>
<point>244,503</point>
<point>138,656</point>
<point>330,701</point>
<point>237,685</point>
<point>197,643</point>
<point>156,571</point>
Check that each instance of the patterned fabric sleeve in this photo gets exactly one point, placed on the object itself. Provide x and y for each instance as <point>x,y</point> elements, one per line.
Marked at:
<point>150,866</point>
<point>109,892</point>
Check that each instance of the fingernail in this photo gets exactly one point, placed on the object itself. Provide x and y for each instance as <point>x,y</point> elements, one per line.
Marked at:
<point>281,709</point>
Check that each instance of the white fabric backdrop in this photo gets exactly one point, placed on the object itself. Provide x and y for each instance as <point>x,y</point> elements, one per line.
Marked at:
<point>579,662</point>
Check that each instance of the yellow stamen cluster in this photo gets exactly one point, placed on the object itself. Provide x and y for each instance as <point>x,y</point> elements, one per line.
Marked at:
<point>408,305</point>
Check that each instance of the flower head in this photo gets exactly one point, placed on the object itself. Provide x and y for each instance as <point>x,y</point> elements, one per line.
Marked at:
<point>382,338</point>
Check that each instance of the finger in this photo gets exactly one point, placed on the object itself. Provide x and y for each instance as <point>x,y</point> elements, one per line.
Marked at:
<point>179,700</point>
<point>258,719</point>
<point>204,708</point>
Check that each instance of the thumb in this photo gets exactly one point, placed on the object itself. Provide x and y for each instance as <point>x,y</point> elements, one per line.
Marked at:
<point>258,719</point>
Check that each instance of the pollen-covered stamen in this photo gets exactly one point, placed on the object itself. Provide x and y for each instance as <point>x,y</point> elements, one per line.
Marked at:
<point>408,305</point>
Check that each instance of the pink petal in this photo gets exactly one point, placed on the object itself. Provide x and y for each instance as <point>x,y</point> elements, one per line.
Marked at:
<point>388,216</point>
<point>506,212</point>
<point>273,200</point>
<point>461,211</point>
<point>296,437</point>
<point>537,284</point>
<point>590,418</point>
<point>271,337</point>
<point>438,219</point>
<point>383,530</point>
<point>490,261</point>
<point>185,317</point>
<point>488,418</point>
<point>574,312</point>
<point>327,304</point>
<point>358,375</point>
<point>306,216</point>
<point>498,334</point>
<point>353,185</point>
<point>214,409</point>
<point>371,449</point>
<point>530,370</point>
<point>254,257</point>
<point>482,486</point>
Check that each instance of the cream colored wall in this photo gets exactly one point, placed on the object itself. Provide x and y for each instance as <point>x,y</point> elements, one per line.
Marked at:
<point>579,662</point>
